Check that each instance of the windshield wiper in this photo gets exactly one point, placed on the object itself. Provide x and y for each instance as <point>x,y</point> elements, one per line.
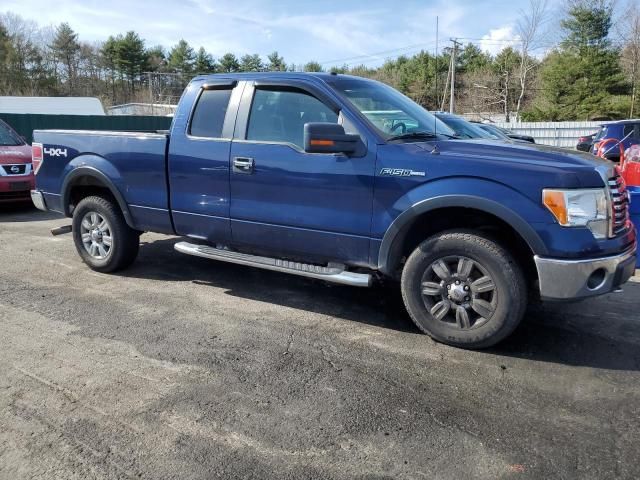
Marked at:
<point>410,135</point>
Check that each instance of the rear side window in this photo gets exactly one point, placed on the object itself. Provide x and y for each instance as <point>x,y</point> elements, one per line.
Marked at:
<point>208,116</point>
<point>279,115</point>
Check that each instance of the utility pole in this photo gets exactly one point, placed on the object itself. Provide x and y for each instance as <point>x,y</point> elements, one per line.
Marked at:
<point>453,75</point>
<point>446,86</point>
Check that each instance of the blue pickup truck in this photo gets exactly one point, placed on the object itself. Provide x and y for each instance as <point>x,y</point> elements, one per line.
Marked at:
<point>346,180</point>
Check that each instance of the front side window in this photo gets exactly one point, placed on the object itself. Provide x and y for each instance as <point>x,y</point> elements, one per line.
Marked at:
<point>279,115</point>
<point>208,116</point>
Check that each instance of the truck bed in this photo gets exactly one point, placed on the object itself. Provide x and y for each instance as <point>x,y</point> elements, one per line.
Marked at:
<point>135,162</point>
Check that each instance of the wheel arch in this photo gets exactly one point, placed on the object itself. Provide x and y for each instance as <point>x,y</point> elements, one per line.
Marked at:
<point>454,211</point>
<point>89,179</point>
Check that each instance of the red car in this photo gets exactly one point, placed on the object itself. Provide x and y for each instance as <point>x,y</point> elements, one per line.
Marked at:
<point>16,172</point>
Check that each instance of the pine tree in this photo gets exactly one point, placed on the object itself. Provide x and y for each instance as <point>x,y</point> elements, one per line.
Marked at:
<point>471,59</point>
<point>251,63</point>
<point>313,66</point>
<point>229,63</point>
<point>157,58</point>
<point>181,58</point>
<point>65,48</point>
<point>276,63</point>
<point>204,62</point>
<point>6,51</point>
<point>131,57</point>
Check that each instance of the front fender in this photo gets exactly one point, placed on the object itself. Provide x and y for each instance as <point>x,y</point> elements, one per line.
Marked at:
<point>493,198</point>
<point>102,172</point>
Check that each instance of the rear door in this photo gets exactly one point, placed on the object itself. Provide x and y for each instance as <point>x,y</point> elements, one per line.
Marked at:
<point>289,203</point>
<point>198,160</point>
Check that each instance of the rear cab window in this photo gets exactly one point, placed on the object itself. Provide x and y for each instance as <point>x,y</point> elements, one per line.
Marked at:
<point>209,113</point>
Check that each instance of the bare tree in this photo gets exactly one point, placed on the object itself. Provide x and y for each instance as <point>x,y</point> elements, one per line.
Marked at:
<point>528,28</point>
<point>629,31</point>
<point>486,93</point>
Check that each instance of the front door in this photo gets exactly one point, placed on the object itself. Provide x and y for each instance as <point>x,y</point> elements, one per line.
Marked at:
<point>289,203</point>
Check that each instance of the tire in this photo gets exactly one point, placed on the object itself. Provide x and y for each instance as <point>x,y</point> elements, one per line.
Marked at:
<point>464,289</point>
<point>96,219</point>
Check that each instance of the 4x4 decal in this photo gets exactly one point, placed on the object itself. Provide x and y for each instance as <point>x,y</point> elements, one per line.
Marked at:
<point>55,152</point>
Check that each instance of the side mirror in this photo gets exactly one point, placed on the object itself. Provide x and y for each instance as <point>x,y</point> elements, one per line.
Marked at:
<point>329,138</point>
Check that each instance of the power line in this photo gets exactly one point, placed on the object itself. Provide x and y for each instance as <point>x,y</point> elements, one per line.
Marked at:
<point>377,54</point>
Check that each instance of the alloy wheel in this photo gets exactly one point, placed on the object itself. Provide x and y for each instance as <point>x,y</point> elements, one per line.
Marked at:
<point>459,291</point>
<point>95,232</point>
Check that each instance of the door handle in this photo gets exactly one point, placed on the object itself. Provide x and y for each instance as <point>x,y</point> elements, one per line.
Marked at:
<point>243,165</point>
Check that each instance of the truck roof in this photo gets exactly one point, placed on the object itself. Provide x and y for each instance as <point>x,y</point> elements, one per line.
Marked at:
<point>263,75</point>
<point>621,122</point>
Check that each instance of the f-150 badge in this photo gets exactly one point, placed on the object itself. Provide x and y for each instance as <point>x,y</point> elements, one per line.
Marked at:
<point>400,172</point>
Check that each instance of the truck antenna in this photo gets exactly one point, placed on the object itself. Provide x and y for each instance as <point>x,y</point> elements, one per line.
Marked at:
<point>435,119</point>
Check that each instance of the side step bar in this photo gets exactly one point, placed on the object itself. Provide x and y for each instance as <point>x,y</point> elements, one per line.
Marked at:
<point>331,273</point>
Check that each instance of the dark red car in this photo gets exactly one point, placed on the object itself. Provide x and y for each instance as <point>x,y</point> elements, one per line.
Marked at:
<point>16,171</point>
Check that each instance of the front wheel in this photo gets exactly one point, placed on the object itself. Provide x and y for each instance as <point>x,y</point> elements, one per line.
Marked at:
<point>101,235</point>
<point>464,289</point>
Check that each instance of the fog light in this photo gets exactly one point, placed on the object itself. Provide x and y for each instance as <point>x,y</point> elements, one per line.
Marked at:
<point>596,279</point>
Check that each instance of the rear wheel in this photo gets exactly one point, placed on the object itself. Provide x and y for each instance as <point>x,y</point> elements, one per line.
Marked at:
<point>464,289</point>
<point>101,235</point>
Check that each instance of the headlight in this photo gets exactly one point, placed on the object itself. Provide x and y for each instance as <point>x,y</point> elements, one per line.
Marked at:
<point>579,208</point>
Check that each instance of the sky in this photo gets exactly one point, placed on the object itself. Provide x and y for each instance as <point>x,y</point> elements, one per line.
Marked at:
<point>332,32</point>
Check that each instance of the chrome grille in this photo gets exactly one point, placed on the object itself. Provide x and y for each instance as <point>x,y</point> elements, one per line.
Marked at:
<point>619,205</point>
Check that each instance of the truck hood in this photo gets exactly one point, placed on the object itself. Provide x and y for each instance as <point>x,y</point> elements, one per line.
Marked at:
<point>584,166</point>
<point>15,154</point>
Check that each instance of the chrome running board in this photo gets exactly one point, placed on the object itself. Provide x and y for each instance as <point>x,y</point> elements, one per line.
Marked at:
<point>331,273</point>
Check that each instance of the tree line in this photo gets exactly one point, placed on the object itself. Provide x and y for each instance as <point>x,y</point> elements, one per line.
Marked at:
<point>591,73</point>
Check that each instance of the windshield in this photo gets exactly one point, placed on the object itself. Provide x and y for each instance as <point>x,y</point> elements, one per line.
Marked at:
<point>493,130</point>
<point>463,128</point>
<point>390,112</point>
<point>8,137</point>
<point>601,133</point>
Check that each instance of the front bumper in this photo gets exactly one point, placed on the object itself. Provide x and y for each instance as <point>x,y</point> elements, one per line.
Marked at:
<point>38,200</point>
<point>15,188</point>
<point>574,279</point>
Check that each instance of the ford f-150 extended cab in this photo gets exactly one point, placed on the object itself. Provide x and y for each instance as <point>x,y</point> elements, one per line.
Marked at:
<point>345,179</point>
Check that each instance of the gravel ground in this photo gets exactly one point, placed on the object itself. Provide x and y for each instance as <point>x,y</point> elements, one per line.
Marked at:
<point>186,368</point>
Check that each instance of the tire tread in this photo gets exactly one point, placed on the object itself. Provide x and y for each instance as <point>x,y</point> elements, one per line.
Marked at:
<point>127,240</point>
<point>515,279</point>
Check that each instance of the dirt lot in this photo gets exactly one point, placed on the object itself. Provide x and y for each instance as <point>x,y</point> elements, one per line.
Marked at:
<point>186,368</point>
